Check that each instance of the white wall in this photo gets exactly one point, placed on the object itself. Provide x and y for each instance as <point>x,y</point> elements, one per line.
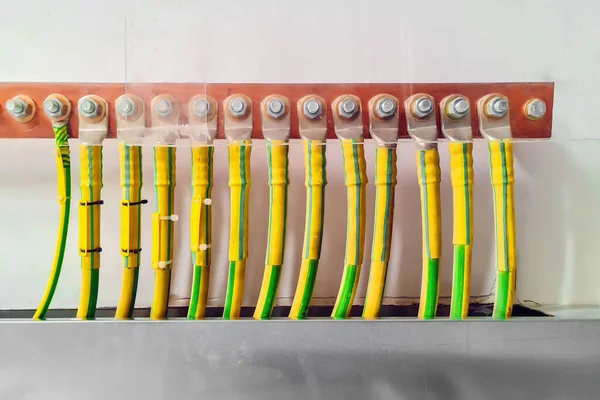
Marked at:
<point>557,188</point>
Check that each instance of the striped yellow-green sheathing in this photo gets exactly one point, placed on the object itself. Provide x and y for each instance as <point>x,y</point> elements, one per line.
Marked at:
<point>461,172</point>
<point>162,228</point>
<point>385,184</point>
<point>315,181</point>
<point>239,184</point>
<point>277,163</point>
<point>503,177</point>
<point>130,161</point>
<point>428,170</point>
<point>200,228</point>
<point>89,228</point>
<point>63,168</point>
<point>355,178</point>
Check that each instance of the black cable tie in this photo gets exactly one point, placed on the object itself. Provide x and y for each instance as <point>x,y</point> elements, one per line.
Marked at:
<point>96,250</point>
<point>134,203</point>
<point>93,203</point>
<point>132,251</point>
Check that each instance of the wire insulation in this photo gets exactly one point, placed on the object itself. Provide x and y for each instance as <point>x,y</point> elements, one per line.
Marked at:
<point>162,228</point>
<point>428,168</point>
<point>355,178</point>
<point>130,158</point>
<point>63,166</point>
<point>316,179</point>
<point>239,184</point>
<point>277,159</point>
<point>89,228</point>
<point>503,178</point>
<point>461,172</point>
<point>200,228</point>
<point>385,184</point>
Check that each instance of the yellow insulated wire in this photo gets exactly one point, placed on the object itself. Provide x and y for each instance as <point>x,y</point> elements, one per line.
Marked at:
<point>200,228</point>
<point>428,168</point>
<point>385,184</point>
<point>461,171</point>
<point>162,228</point>
<point>316,179</point>
<point>239,184</point>
<point>503,177</point>
<point>355,178</point>
<point>130,161</point>
<point>63,167</point>
<point>277,161</point>
<point>89,228</point>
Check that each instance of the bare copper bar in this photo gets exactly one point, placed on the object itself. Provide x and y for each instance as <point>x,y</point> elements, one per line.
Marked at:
<point>39,127</point>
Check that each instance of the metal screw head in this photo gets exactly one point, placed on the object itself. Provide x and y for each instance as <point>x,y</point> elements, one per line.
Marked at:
<point>535,109</point>
<point>275,108</point>
<point>237,107</point>
<point>201,107</point>
<point>54,108</point>
<point>89,108</point>
<point>312,108</point>
<point>16,107</point>
<point>126,107</point>
<point>422,107</point>
<point>348,108</point>
<point>386,107</point>
<point>457,108</point>
<point>163,107</point>
<point>497,107</point>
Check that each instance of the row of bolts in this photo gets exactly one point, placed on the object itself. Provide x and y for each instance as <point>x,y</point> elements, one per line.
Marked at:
<point>385,108</point>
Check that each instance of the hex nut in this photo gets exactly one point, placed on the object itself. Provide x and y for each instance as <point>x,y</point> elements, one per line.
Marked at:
<point>312,108</point>
<point>535,109</point>
<point>89,108</point>
<point>126,107</point>
<point>201,107</point>
<point>386,107</point>
<point>422,107</point>
<point>276,108</point>
<point>348,108</point>
<point>238,107</point>
<point>497,107</point>
<point>457,108</point>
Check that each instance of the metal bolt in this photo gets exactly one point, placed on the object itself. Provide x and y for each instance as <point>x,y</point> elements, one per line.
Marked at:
<point>535,109</point>
<point>348,108</point>
<point>201,107</point>
<point>276,108</point>
<point>497,107</point>
<point>126,107</point>
<point>237,107</point>
<point>312,108</point>
<point>89,108</point>
<point>164,107</point>
<point>16,107</point>
<point>422,107</point>
<point>386,107</point>
<point>457,108</point>
<point>54,108</point>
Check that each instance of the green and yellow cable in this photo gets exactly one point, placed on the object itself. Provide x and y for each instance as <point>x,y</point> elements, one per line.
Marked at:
<point>93,127</point>
<point>385,184</point>
<point>131,183</point>
<point>63,165</point>
<point>456,127</point>
<point>428,169</point>
<point>461,171</point>
<point>422,127</point>
<point>316,179</point>
<point>494,125</point>
<point>162,227</point>
<point>89,227</point>
<point>355,179</point>
<point>202,182</point>
<point>239,184</point>
<point>277,159</point>
<point>276,130</point>
<point>383,125</point>
<point>503,178</point>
